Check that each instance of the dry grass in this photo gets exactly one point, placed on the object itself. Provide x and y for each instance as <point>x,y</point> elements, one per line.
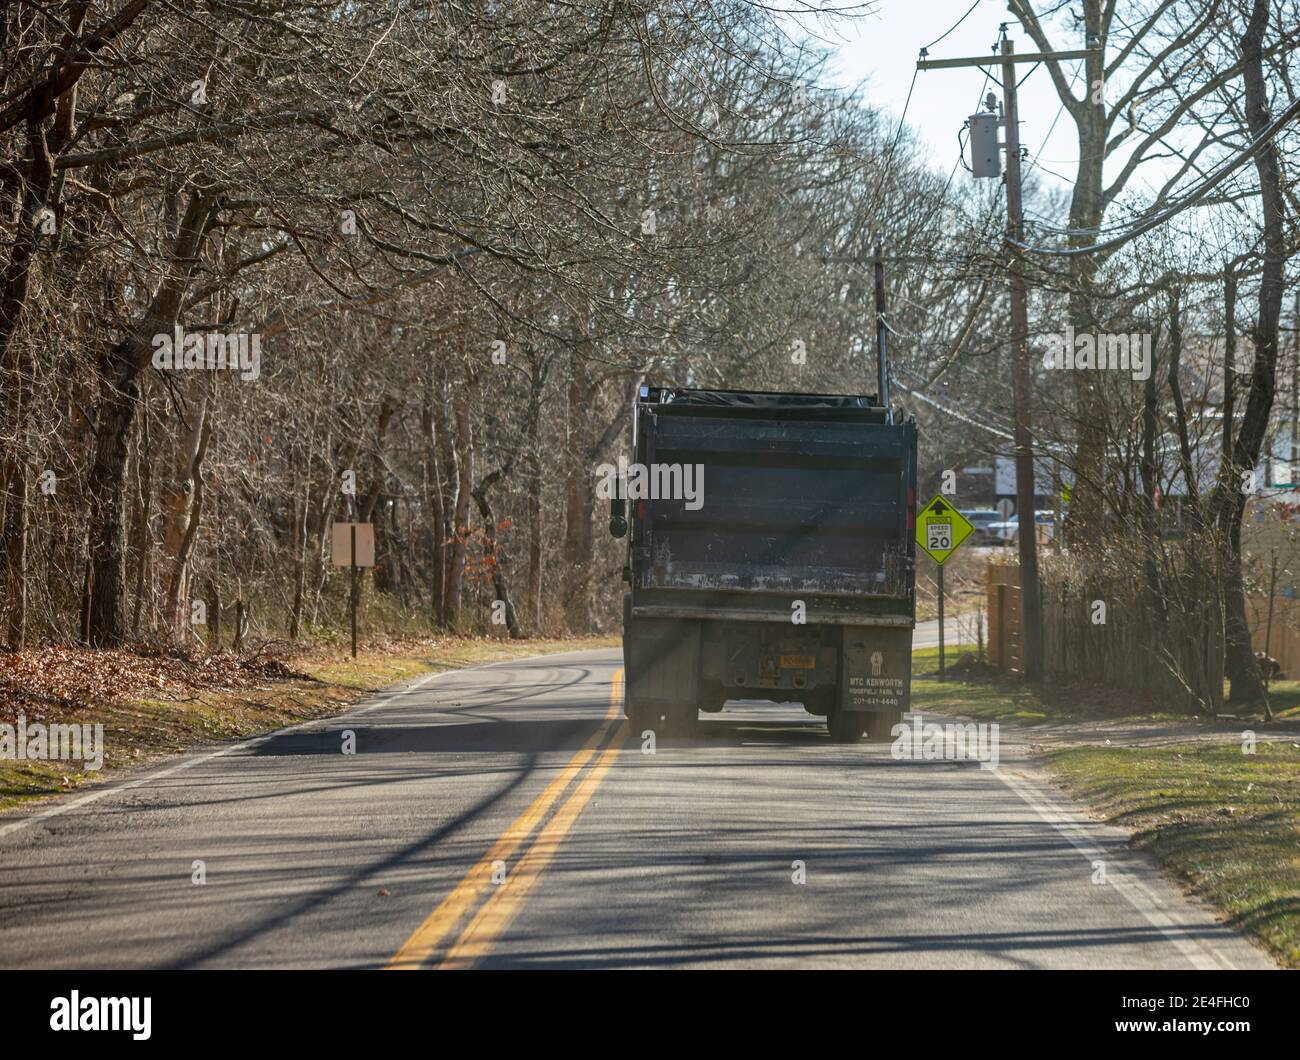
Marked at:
<point>1224,822</point>
<point>155,703</point>
<point>963,582</point>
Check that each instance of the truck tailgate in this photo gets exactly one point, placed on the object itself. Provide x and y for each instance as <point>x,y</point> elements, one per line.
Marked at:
<point>789,505</point>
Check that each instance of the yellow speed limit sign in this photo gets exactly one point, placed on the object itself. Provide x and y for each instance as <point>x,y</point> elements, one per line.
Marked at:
<point>940,529</point>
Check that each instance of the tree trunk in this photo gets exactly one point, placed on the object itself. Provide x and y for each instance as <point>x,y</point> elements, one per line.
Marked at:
<point>1180,409</point>
<point>1087,500</point>
<point>104,613</point>
<point>534,490</point>
<point>579,497</point>
<point>301,517</point>
<point>214,613</point>
<point>321,527</point>
<point>15,551</point>
<point>383,574</point>
<point>1151,515</point>
<point>182,498</point>
<point>449,466</point>
<point>17,359</point>
<point>1295,389</point>
<point>494,561</point>
<point>464,492</point>
<point>104,616</point>
<point>434,516</point>
<point>1229,353</point>
<point>1243,672</point>
<point>144,517</point>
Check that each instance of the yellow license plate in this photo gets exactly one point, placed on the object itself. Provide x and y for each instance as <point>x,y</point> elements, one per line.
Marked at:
<point>798,662</point>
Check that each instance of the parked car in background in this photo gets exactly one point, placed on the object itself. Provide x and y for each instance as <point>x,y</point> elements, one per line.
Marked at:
<point>982,519</point>
<point>1003,531</point>
<point>1008,533</point>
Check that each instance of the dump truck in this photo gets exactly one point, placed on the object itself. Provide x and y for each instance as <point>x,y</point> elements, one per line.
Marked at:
<point>770,555</point>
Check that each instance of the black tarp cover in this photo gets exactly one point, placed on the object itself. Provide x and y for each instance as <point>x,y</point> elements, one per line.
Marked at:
<point>757,399</point>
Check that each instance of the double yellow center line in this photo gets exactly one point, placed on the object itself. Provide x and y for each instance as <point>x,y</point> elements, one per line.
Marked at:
<point>494,916</point>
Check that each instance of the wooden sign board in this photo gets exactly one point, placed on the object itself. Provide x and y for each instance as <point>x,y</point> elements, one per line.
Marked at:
<point>341,544</point>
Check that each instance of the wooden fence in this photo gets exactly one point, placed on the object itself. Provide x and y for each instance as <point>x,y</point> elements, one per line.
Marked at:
<point>1174,657</point>
<point>1003,588</point>
<point>1282,639</point>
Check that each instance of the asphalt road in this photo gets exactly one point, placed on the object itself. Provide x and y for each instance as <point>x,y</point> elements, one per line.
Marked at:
<point>957,629</point>
<point>497,817</point>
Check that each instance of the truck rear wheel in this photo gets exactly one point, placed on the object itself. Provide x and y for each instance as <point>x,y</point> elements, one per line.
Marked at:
<point>685,723</point>
<point>845,726</point>
<point>712,697</point>
<point>639,718</point>
<point>881,723</point>
<point>821,702</point>
<point>663,721</point>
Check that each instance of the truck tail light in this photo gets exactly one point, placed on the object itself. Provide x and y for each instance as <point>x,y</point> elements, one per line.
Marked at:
<point>640,509</point>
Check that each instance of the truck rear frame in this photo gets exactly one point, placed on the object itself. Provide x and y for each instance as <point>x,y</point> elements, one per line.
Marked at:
<point>790,574</point>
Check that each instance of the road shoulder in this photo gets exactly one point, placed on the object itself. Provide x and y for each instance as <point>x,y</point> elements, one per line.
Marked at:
<point>156,708</point>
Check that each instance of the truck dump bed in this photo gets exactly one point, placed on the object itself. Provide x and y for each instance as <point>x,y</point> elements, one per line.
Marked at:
<point>804,496</point>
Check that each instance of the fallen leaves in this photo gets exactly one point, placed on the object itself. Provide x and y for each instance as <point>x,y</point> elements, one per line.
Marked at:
<point>63,678</point>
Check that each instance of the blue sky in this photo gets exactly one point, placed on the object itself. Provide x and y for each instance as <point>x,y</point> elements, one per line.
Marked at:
<point>881,48</point>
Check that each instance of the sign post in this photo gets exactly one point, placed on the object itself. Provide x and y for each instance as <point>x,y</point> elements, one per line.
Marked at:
<point>352,589</point>
<point>353,546</point>
<point>940,531</point>
<point>941,622</point>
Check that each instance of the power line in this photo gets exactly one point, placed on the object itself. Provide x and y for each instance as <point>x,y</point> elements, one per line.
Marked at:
<point>1044,14</point>
<point>889,159</point>
<point>1059,111</point>
<point>952,27</point>
<point>898,132</point>
<point>988,419</point>
<point>952,412</point>
<point>1050,172</point>
<point>1159,217</point>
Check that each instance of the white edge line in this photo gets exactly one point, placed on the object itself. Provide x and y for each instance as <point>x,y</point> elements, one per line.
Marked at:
<point>1134,891</point>
<point>114,788</point>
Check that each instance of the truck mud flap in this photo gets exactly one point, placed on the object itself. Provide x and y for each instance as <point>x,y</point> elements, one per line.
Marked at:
<point>661,660</point>
<point>877,670</point>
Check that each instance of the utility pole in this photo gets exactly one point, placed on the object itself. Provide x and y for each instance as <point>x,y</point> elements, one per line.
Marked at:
<point>354,592</point>
<point>1021,380</point>
<point>882,333</point>
<point>1030,600</point>
<point>1295,391</point>
<point>877,260</point>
